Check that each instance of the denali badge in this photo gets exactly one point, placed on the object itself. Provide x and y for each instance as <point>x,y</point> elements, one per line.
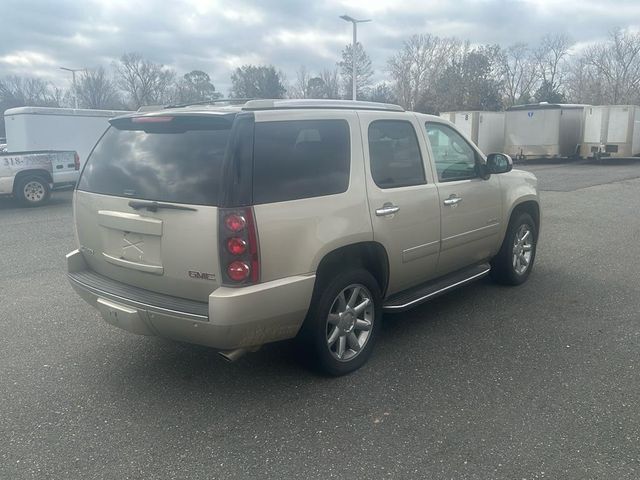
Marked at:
<point>202,275</point>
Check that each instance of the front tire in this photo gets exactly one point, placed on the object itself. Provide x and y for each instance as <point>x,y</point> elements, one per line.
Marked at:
<point>342,324</point>
<point>514,262</point>
<point>32,191</point>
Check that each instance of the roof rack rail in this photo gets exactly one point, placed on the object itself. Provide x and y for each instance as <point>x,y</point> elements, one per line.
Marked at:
<point>288,104</point>
<point>211,102</point>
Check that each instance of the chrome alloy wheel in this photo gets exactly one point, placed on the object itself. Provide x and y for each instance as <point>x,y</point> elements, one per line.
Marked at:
<point>34,191</point>
<point>522,249</point>
<point>349,322</point>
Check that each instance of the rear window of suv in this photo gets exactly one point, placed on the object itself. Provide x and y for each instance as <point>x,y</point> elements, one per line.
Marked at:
<point>177,159</point>
<point>300,159</point>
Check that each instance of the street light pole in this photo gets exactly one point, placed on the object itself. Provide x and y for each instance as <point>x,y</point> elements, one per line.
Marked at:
<point>355,23</point>
<point>75,91</point>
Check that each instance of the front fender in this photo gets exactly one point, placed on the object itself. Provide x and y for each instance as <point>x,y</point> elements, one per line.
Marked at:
<point>518,187</point>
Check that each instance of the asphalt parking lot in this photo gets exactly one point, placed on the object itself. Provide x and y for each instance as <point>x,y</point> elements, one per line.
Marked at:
<point>488,382</point>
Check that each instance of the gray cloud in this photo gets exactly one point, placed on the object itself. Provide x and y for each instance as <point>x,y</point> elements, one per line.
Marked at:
<point>217,36</point>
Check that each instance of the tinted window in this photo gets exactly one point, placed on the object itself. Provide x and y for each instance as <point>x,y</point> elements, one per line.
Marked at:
<point>395,154</point>
<point>455,159</point>
<point>300,159</point>
<point>177,161</point>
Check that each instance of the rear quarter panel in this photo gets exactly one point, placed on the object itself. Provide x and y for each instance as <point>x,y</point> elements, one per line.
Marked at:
<point>295,235</point>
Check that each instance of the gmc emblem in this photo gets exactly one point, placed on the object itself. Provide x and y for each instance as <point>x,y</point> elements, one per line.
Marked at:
<point>201,275</point>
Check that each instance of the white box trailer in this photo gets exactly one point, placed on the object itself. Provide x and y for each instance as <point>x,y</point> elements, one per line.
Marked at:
<point>611,131</point>
<point>31,129</point>
<point>485,129</point>
<point>449,116</point>
<point>543,130</point>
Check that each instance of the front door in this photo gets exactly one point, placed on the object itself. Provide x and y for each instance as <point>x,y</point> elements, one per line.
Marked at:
<point>403,198</point>
<point>470,205</point>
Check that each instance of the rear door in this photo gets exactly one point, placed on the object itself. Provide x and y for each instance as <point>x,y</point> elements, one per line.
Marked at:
<point>593,121</point>
<point>618,131</point>
<point>471,206</point>
<point>146,203</point>
<point>403,199</point>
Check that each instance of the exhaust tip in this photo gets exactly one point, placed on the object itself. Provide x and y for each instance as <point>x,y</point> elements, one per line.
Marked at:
<point>233,355</point>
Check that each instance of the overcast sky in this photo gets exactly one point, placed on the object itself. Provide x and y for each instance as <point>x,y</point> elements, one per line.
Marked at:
<point>38,36</point>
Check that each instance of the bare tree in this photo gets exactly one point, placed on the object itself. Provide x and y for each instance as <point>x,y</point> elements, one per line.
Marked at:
<point>617,64</point>
<point>20,91</point>
<point>416,66</point>
<point>518,73</point>
<point>552,61</point>
<point>95,89</point>
<point>300,89</point>
<point>145,82</point>
<point>584,85</point>
<point>331,82</point>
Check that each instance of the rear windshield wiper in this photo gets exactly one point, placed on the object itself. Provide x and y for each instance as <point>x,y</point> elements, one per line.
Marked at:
<point>154,206</point>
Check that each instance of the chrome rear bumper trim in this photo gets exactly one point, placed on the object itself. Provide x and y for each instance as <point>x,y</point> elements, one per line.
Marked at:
<point>128,301</point>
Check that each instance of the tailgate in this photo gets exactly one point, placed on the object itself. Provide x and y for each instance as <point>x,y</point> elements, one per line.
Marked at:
<point>146,204</point>
<point>173,252</point>
<point>64,167</point>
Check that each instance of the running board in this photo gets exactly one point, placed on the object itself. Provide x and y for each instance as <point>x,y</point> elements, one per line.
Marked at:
<point>429,290</point>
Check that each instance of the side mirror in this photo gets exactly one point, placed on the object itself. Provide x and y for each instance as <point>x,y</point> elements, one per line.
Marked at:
<point>499,163</point>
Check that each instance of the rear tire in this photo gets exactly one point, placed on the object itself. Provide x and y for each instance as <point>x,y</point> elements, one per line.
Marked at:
<point>343,323</point>
<point>514,262</point>
<point>32,191</point>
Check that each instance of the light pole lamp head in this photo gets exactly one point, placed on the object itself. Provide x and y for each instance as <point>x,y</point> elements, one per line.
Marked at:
<point>348,18</point>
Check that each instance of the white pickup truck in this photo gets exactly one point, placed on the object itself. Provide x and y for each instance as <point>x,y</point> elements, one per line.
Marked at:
<point>30,176</point>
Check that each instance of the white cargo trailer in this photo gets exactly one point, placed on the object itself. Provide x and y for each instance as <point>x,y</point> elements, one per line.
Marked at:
<point>611,131</point>
<point>543,130</point>
<point>450,116</point>
<point>485,129</point>
<point>31,129</point>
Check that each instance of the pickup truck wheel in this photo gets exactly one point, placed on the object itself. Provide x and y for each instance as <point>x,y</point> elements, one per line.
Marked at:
<point>32,191</point>
<point>342,323</point>
<point>513,263</point>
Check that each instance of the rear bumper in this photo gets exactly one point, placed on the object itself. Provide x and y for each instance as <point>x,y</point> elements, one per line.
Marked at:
<point>619,150</point>
<point>233,317</point>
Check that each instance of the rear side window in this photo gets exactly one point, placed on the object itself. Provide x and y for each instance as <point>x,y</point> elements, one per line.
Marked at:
<point>300,159</point>
<point>178,160</point>
<point>395,154</point>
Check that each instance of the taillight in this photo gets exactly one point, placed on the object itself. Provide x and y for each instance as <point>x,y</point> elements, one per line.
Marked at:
<point>238,271</point>
<point>151,119</point>
<point>238,247</point>
<point>76,160</point>
<point>235,222</point>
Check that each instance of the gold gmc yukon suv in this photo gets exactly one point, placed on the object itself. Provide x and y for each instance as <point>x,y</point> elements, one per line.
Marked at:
<point>235,225</point>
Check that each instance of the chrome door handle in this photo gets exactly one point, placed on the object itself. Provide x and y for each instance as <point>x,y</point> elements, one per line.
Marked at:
<point>452,200</point>
<point>387,209</point>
